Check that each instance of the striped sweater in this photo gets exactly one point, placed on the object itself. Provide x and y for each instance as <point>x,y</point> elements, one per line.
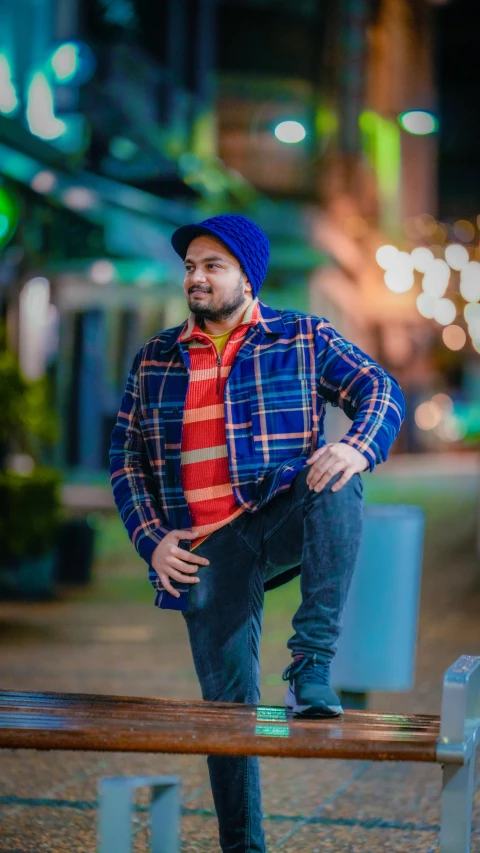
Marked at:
<point>206,477</point>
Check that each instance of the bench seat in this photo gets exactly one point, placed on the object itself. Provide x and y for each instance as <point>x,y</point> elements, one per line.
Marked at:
<point>124,724</point>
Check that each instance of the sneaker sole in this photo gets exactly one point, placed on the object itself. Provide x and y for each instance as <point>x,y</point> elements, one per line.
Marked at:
<point>311,710</point>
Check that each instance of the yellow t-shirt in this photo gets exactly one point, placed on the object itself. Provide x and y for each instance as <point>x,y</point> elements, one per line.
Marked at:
<point>220,340</point>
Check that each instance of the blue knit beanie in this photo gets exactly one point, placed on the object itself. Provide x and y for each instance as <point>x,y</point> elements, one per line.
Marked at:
<point>245,240</point>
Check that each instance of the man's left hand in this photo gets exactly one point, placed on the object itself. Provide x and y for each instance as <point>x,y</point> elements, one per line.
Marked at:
<point>328,461</point>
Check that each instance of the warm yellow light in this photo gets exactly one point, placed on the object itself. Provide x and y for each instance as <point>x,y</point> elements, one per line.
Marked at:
<point>435,280</point>
<point>422,258</point>
<point>386,256</point>
<point>445,312</point>
<point>428,415</point>
<point>470,282</point>
<point>426,224</point>
<point>426,305</point>
<point>464,230</point>
<point>454,338</point>
<point>456,256</point>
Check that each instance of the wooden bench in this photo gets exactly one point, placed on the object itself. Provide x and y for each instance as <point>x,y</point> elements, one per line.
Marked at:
<point>123,724</point>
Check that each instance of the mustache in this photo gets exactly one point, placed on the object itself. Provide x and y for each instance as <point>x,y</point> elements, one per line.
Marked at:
<point>195,287</point>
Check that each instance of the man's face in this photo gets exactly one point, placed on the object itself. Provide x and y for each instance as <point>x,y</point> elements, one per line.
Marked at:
<point>215,286</point>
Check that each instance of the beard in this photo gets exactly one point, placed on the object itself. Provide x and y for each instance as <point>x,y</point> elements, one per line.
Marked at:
<point>207,311</point>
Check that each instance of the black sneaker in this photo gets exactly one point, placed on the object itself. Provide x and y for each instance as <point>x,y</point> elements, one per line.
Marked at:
<point>310,693</point>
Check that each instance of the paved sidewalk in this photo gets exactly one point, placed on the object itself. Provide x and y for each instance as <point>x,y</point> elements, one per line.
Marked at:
<point>110,639</point>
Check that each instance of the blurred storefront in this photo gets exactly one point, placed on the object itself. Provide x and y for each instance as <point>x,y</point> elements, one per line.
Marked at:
<point>122,120</point>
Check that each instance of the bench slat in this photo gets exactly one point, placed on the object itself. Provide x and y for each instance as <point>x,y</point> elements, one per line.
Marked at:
<point>136,724</point>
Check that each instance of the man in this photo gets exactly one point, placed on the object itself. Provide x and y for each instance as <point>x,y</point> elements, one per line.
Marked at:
<point>223,479</point>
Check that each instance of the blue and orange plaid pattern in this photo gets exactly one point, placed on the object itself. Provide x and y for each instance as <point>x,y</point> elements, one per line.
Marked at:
<point>289,366</point>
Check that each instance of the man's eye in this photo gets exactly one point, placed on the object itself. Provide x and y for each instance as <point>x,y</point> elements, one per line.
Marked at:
<point>213,265</point>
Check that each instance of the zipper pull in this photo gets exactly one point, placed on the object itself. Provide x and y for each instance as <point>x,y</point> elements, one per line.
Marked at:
<point>219,367</point>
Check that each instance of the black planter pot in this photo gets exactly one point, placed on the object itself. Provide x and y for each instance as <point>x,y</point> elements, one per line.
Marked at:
<point>74,552</point>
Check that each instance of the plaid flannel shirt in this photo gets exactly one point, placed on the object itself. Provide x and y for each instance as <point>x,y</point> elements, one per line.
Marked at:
<point>289,366</point>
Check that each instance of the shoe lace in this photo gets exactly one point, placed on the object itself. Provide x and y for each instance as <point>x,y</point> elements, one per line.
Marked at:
<point>307,669</point>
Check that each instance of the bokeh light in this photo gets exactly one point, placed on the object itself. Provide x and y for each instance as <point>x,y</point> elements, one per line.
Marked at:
<point>43,182</point>
<point>472,312</point>
<point>426,305</point>
<point>65,61</point>
<point>102,272</point>
<point>443,400</point>
<point>386,256</point>
<point>450,429</point>
<point>79,198</point>
<point>436,278</point>
<point>428,415</point>
<point>422,258</point>
<point>399,276</point>
<point>470,281</point>
<point>426,224</point>
<point>464,230</point>
<point>454,337</point>
<point>399,281</point>
<point>418,122</point>
<point>445,312</point>
<point>456,256</point>
<point>290,132</point>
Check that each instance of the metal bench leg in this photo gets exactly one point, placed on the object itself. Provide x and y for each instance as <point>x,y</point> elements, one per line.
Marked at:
<point>116,806</point>
<point>457,798</point>
<point>165,818</point>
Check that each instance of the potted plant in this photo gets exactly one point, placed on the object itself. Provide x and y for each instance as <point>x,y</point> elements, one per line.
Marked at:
<point>29,490</point>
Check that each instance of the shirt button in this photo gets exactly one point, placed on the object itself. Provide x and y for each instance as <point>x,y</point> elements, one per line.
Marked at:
<point>175,410</point>
<point>177,480</point>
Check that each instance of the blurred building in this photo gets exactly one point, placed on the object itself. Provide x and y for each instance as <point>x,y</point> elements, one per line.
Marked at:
<point>120,120</point>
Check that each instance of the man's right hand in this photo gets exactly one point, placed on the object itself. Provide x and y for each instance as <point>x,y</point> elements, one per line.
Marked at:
<point>172,562</point>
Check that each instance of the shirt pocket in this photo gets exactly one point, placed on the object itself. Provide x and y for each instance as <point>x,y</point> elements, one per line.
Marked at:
<point>282,420</point>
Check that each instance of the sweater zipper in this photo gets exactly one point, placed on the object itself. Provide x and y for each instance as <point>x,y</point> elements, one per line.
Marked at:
<point>219,368</point>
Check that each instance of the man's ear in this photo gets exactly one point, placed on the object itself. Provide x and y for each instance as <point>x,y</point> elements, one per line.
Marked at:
<point>248,286</point>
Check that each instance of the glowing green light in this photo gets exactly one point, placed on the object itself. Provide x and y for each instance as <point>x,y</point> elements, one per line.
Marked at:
<point>290,132</point>
<point>266,712</point>
<point>65,62</point>
<point>418,122</point>
<point>272,731</point>
<point>8,216</point>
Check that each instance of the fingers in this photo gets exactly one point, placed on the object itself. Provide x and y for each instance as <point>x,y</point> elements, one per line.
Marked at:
<point>189,557</point>
<point>319,467</point>
<point>320,480</point>
<point>184,534</point>
<point>168,586</point>
<point>347,475</point>
<point>176,572</point>
<point>175,575</point>
<point>180,566</point>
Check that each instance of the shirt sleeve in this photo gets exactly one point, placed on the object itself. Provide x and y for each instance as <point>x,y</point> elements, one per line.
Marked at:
<point>133,484</point>
<point>368,395</point>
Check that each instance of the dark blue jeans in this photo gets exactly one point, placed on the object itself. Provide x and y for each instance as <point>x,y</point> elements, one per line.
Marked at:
<point>319,532</point>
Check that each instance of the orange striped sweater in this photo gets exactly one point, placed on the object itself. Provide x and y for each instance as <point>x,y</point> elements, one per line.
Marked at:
<point>204,458</point>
